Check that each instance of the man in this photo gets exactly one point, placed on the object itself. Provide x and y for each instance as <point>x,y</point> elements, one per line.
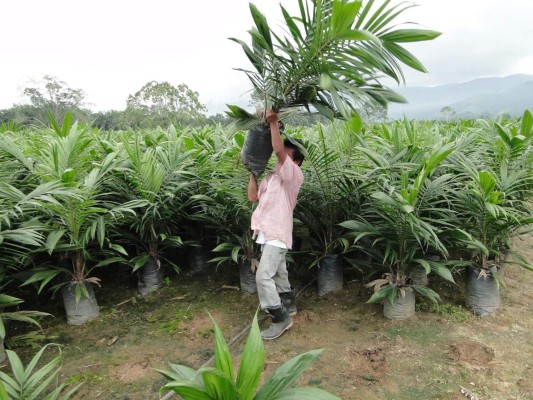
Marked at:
<point>272,224</point>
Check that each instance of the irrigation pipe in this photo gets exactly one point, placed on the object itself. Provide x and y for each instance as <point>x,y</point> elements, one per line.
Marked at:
<point>239,335</point>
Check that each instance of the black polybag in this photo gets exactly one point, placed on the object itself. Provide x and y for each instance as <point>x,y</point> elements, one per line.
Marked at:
<point>257,149</point>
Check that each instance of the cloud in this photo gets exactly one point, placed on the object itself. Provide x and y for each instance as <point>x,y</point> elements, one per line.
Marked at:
<point>110,49</point>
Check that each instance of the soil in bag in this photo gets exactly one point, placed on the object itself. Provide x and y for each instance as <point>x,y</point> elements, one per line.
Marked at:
<point>330,274</point>
<point>482,292</point>
<point>257,149</point>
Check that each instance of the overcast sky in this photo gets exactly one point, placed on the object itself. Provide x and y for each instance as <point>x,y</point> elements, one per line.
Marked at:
<point>111,48</point>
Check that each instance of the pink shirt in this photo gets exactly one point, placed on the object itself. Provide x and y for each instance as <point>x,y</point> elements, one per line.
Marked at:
<point>277,198</point>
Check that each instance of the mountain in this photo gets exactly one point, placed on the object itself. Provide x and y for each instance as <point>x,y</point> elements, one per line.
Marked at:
<point>483,97</point>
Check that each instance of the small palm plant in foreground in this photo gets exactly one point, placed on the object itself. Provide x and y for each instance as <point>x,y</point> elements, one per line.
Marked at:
<point>220,382</point>
<point>29,383</point>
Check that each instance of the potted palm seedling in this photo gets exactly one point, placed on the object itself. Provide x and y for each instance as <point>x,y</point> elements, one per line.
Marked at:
<point>328,59</point>
<point>77,221</point>
<point>403,220</point>
<point>491,209</point>
<point>20,233</point>
<point>156,172</point>
<point>328,196</point>
<point>229,213</point>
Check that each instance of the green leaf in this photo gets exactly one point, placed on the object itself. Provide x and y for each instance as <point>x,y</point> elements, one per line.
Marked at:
<point>286,375</point>
<point>307,393</point>
<point>261,24</point>
<point>405,56</point>
<point>358,34</point>
<point>118,248</point>
<point>427,292</point>
<point>68,176</point>
<point>218,385</point>
<point>252,362</point>
<point>16,366</point>
<point>9,301</point>
<point>423,263</point>
<point>223,360</point>
<point>410,35</point>
<point>3,392</point>
<point>187,390</point>
<point>526,128</point>
<point>52,240</point>
<point>239,113</point>
<point>180,373</point>
<point>380,295</point>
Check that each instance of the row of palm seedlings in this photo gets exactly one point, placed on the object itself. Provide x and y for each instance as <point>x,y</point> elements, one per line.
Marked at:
<point>398,201</point>
<point>437,202</point>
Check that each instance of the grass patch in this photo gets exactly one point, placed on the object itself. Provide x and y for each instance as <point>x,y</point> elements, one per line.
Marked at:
<point>450,312</point>
<point>422,333</point>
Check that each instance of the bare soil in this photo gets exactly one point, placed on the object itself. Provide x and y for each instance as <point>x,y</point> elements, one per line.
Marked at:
<point>440,353</point>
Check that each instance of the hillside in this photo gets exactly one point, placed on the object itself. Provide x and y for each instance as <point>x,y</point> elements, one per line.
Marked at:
<point>483,97</point>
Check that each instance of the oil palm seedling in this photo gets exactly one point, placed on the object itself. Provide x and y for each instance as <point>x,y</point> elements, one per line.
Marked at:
<point>406,218</point>
<point>491,208</point>
<point>331,56</point>
<point>327,198</point>
<point>330,59</point>
<point>29,383</point>
<point>158,172</point>
<point>21,233</point>
<point>229,213</point>
<point>25,316</point>
<point>221,382</point>
<point>78,220</point>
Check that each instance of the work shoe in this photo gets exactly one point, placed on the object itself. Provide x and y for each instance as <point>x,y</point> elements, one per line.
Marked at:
<point>288,299</point>
<point>281,321</point>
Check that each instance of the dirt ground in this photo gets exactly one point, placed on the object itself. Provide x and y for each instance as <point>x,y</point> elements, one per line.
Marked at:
<point>441,353</point>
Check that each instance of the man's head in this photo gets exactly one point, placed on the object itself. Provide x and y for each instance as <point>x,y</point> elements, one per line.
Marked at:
<point>293,150</point>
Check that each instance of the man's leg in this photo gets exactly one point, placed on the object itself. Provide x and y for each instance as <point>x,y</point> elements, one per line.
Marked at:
<point>285,291</point>
<point>272,259</point>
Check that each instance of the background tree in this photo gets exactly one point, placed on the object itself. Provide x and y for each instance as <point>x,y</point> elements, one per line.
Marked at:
<point>54,96</point>
<point>162,104</point>
<point>448,113</point>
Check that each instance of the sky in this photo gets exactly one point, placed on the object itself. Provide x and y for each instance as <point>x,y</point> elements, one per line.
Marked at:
<point>112,48</point>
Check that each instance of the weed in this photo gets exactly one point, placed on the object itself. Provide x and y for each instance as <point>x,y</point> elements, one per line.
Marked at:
<point>85,377</point>
<point>421,333</point>
<point>451,312</point>
<point>315,381</point>
<point>206,333</point>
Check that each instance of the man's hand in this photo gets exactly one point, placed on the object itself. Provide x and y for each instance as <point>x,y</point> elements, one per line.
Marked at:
<point>271,116</point>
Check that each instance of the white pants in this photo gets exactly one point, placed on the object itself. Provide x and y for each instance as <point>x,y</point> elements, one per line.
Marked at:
<point>271,276</point>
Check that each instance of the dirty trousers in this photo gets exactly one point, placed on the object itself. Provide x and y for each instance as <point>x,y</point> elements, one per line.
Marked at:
<point>271,276</point>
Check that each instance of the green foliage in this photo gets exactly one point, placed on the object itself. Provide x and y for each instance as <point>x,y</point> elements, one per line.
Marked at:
<point>51,96</point>
<point>162,104</point>
<point>221,383</point>
<point>330,192</point>
<point>450,312</point>
<point>330,56</point>
<point>29,383</point>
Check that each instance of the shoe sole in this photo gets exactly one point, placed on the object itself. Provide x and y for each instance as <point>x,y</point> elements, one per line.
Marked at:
<point>281,333</point>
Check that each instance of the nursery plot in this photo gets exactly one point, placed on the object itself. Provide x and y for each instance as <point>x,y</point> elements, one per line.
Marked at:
<point>440,353</point>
